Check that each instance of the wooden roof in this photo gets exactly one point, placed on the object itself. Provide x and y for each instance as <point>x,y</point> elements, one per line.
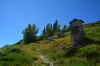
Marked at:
<point>75,20</point>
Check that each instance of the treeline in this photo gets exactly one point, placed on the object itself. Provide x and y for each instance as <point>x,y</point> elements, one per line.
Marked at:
<point>51,30</point>
<point>29,34</point>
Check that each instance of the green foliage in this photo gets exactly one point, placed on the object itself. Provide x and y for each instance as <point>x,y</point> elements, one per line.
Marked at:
<point>55,50</point>
<point>49,30</point>
<point>13,59</point>
<point>92,33</point>
<point>20,42</point>
<point>94,24</point>
<point>56,27</point>
<point>67,34</point>
<point>68,29</point>
<point>89,51</point>
<point>79,61</point>
<point>53,53</point>
<point>44,33</point>
<point>57,55</point>
<point>64,28</point>
<point>29,33</point>
<point>54,37</point>
<point>84,56</point>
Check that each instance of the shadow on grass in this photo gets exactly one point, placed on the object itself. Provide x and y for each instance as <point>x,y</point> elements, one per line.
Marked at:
<point>91,41</point>
<point>72,50</point>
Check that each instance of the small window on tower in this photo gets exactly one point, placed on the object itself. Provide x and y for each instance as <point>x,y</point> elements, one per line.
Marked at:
<point>76,29</point>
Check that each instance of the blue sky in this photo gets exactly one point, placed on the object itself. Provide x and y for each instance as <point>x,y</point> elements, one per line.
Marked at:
<point>15,15</point>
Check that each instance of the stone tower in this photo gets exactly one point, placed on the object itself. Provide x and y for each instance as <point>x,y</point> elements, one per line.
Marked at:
<point>50,38</point>
<point>77,35</point>
<point>60,34</point>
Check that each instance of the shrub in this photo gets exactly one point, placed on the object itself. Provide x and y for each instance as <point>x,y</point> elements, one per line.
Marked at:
<point>14,56</point>
<point>93,33</point>
<point>75,61</point>
<point>89,51</point>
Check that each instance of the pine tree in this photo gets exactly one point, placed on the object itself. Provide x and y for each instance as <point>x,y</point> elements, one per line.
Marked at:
<point>64,28</point>
<point>56,27</point>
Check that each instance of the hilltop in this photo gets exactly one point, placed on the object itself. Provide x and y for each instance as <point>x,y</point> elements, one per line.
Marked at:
<point>55,51</point>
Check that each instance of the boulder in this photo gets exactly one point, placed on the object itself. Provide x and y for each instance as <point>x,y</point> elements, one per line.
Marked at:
<point>15,50</point>
<point>2,54</point>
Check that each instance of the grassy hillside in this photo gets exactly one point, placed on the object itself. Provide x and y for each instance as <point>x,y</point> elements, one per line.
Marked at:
<point>26,55</point>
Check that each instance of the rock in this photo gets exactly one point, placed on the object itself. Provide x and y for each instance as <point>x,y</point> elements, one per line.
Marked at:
<point>64,48</point>
<point>44,58</point>
<point>2,54</point>
<point>15,50</point>
<point>70,51</point>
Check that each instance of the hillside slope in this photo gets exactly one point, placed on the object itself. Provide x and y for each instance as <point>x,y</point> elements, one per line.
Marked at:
<point>55,51</point>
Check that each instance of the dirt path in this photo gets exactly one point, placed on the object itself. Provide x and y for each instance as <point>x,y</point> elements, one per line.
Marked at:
<point>44,58</point>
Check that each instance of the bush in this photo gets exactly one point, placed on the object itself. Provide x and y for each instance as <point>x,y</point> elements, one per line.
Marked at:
<point>75,61</point>
<point>94,24</point>
<point>89,51</point>
<point>14,56</point>
<point>93,33</point>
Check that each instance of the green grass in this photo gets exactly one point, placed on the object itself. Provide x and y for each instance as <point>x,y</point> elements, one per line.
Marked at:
<point>14,58</point>
<point>90,52</point>
<point>92,33</point>
<point>84,56</point>
<point>88,55</point>
<point>94,24</point>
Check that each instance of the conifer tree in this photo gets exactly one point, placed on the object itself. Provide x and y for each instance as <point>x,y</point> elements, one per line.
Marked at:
<point>64,28</point>
<point>56,27</point>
